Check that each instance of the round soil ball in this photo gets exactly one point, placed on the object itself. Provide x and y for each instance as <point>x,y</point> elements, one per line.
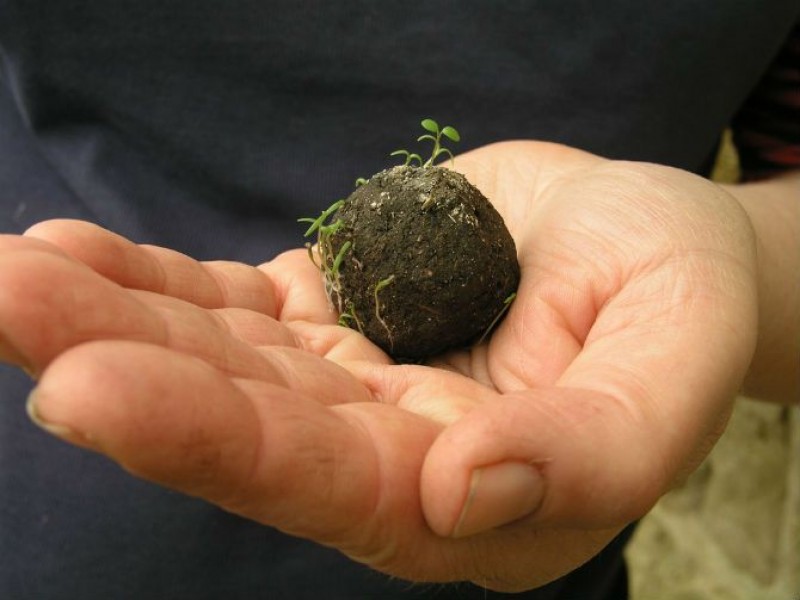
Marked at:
<point>430,264</point>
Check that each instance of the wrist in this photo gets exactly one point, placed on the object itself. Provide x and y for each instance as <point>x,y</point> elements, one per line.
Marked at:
<point>773,208</point>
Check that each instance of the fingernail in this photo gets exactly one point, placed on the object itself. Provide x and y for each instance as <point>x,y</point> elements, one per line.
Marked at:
<point>60,431</point>
<point>498,495</point>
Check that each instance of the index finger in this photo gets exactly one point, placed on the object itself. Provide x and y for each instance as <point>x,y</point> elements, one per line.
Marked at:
<point>216,284</point>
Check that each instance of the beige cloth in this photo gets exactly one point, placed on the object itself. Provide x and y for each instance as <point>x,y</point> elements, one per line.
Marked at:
<point>732,532</point>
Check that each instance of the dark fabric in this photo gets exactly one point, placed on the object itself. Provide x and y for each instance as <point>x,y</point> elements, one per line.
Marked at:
<point>211,126</point>
<point>766,130</point>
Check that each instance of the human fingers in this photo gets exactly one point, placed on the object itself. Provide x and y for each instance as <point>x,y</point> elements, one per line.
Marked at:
<point>646,395</point>
<point>288,288</point>
<point>346,476</point>
<point>304,308</point>
<point>540,333</point>
<point>213,284</point>
<point>258,449</point>
<point>50,303</point>
<point>299,290</point>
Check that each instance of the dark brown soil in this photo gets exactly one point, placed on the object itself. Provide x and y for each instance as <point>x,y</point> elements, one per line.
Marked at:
<point>437,251</point>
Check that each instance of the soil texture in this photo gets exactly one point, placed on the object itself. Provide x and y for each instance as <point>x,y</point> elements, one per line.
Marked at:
<point>428,264</point>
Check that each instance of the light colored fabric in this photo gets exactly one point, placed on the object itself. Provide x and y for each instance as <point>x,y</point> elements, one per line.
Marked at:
<point>732,531</point>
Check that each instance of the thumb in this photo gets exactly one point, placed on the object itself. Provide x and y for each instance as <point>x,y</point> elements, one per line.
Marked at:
<point>558,456</point>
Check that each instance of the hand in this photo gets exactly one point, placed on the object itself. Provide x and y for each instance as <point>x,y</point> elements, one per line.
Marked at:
<point>508,464</point>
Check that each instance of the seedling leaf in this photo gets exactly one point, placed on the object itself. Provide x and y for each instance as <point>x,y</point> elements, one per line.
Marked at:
<point>451,133</point>
<point>430,125</point>
<point>340,257</point>
<point>318,223</point>
<point>383,283</point>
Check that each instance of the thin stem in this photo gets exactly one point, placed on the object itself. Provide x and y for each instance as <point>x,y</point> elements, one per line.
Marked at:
<point>378,287</point>
<point>506,303</point>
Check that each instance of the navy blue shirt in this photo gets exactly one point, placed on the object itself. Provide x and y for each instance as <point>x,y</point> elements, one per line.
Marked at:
<point>209,127</point>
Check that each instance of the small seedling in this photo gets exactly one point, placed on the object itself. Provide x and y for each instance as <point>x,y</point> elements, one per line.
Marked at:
<point>434,136</point>
<point>409,157</point>
<point>318,223</point>
<point>337,262</point>
<point>349,316</point>
<point>329,262</point>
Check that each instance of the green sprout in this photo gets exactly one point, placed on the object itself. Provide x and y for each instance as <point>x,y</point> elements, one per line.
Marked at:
<point>330,262</point>
<point>318,223</point>
<point>409,157</point>
<point>506,303</point>
<point>337,262</point>
<point>349,316</point>
<point>435,135</point>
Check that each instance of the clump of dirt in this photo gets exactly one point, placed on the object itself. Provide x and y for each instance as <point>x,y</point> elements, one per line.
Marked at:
<point>419,261</point>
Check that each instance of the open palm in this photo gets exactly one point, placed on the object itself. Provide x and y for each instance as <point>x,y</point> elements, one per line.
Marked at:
<point>608,381</point>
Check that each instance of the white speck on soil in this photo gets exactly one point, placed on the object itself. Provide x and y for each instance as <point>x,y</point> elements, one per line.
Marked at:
<point>459,214</point>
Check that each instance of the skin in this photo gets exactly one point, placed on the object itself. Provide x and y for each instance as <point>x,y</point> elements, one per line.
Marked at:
<point>638,319</point>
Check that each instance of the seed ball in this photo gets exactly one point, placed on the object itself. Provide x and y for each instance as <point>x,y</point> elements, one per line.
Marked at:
<point>430,264</point>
